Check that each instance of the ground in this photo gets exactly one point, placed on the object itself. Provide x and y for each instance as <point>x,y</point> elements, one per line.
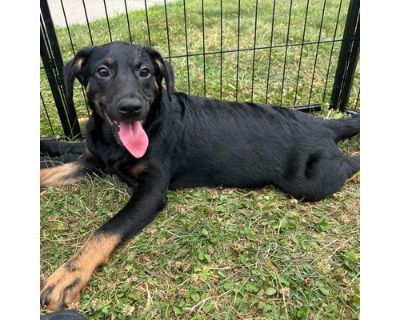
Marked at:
<point>229,253</point>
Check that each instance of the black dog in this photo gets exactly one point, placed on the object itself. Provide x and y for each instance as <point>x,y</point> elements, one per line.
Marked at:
<point>157,139</point>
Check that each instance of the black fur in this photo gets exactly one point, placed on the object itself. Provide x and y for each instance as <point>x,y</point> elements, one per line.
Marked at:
<point>196,141</point>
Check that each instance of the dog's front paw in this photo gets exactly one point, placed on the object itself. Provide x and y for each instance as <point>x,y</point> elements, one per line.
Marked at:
<point>63,287</point>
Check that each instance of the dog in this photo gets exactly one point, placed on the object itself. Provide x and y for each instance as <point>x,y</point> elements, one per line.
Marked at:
<point>155,138</point>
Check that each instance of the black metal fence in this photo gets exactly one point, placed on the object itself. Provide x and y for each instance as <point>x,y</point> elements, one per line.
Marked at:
<point>303,53</point>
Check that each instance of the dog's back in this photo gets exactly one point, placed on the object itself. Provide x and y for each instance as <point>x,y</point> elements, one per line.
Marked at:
<point>242,144</point>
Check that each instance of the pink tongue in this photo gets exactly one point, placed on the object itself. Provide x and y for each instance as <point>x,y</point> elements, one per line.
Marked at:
<point>134,138</point>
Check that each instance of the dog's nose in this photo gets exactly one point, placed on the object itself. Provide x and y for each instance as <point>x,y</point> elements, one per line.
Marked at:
<point>130,107</point>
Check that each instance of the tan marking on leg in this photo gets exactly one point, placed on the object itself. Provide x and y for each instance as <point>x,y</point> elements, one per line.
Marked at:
<point>136,170</point>
<point>96,251</point>
<point>357,174</point>
<point>60,175</point>
<point>64,286</point>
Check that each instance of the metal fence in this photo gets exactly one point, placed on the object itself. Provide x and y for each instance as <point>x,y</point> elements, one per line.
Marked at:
<point>303,53</point>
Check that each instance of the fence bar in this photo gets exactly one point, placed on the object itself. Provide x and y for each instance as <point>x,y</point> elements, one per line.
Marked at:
<point>167,28</point>
<point>187,47</point>
<point>286,49</point>
<point>53,65</point>
<point>254,51</point>
<point>73,51</point>
<point>348,57</point>
<point>222,55</point>
<point>301,52</point>
<point>147,21</point>
<point>270,51</point>
<point>108,21</point>
<point>51,35</point>
<point>238,53</point>
<point>309,108</point>
<point>66,24</point>
<point>351,111</point>
<point>204,48</point>
<point>333,45</point>
<point>47,114</point>
<point>87,22</point>
<point>317,51</point>
<point>55,89</point>
<point>251,49</point>
<point>127,21</point>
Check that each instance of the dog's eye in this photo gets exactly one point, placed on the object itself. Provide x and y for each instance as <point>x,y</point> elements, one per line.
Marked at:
<point>103,72</point>
<point>144,73</point>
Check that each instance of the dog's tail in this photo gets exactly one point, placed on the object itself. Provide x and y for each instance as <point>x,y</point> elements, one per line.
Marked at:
<point>344,128</point>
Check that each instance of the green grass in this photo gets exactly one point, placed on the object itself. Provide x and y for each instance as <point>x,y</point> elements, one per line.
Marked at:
<point>217,253</point>
<point>214,253</point>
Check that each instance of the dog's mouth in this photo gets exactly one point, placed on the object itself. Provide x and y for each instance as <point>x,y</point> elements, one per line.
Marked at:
<point>130,134</point>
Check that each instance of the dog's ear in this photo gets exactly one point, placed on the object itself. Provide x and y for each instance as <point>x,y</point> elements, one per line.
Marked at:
<point>171,75</point>
<point>72,70</point>
<point>165,71</point>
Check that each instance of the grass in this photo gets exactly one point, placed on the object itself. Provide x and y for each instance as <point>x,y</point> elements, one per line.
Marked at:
<point>214,253</point>
<point>217,253</point>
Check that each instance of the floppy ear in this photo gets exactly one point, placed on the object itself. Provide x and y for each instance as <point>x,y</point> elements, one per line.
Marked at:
<point>72,70</point>
<point>165,71</point>
<point>171,74</point>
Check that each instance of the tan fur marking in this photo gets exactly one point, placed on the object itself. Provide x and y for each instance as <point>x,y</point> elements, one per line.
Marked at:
<point>99,101</point>
<point>68,280</point>
<point>109,61</point>
<point>136,170</point>
<point>60,175</point>
<point>357,174</point>
<point>96,251</point>
<point>159,63</point>
<point>79,63</point>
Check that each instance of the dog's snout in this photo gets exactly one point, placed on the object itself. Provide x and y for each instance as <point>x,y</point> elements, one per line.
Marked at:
<point>130,107</point>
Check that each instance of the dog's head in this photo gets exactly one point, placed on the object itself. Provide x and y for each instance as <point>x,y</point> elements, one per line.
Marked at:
<point>122,81</point>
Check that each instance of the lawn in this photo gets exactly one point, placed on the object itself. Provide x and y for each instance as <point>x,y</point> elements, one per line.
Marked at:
<point>218,253</point>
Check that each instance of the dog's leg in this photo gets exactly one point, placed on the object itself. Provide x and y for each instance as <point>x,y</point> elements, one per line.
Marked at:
<point>68,173</point>
<point>63,286</point>
<point>54,153</point>
<point>54,148</point>
<point>344,128</point>
<point>50,162</point>
<point>320,177</point>
<point>353,163</point>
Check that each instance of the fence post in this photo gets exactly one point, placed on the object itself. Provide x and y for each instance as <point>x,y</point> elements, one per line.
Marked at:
<point>53,65</point>
<point>348,58</point>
